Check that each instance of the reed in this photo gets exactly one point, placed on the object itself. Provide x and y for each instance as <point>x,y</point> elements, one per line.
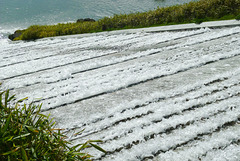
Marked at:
<point>26,134</point>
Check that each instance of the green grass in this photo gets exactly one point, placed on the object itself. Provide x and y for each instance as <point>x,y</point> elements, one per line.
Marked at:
<point>193,12</point>
<point>238,17</point>
<point>26,134</point>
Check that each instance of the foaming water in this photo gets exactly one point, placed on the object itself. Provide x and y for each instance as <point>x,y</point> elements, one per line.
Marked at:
<point>5,31</point>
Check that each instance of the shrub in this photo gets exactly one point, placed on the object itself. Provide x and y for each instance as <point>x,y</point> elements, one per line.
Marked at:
<point>238,17</point>
<point>198,21</point>
<point>26,134</point>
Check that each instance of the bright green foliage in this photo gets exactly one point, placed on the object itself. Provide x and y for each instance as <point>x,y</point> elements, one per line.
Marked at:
<point>195,12</point>
<point>26,134</point>
<point>238,17</point>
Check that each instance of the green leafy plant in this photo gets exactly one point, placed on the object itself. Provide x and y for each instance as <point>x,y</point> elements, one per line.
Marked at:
<point>26,134</point>
<point>198,21</point>
<point>238,17</point>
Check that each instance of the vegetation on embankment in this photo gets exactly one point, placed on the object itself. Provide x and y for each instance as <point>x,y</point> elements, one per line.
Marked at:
<point>26,134</point>
<point>193,12</point>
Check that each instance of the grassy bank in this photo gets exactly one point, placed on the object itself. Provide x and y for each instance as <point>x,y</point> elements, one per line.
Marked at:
<point>193,12</point>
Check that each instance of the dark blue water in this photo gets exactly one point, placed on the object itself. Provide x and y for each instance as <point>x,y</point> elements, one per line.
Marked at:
<point>17,14</point>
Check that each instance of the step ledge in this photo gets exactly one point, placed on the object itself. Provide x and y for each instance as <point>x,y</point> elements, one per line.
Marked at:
<point>180,27</point>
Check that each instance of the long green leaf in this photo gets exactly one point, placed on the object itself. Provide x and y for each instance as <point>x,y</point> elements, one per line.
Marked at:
<point>10,152</point>
<point>6,97</point>
<point>78,133</point>
<point>7,123</point>
<point>83,146</point>
<point>10,138</point>
<point>32,129</point>
<point>96,141</point>
<point>21,136</point>
<point>82,154</point>
<point>76,146</point>
<point>23,99</point>
<point>98,148</point>
<point>24,154</point>
<point>11,98</point>
<point>1,105</point>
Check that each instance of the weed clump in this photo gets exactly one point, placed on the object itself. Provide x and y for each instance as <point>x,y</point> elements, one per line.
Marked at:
<point>193,12</point>
<point>26,134</point>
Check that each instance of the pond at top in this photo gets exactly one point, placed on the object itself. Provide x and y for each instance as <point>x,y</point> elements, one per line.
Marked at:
<point>23,13</point>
